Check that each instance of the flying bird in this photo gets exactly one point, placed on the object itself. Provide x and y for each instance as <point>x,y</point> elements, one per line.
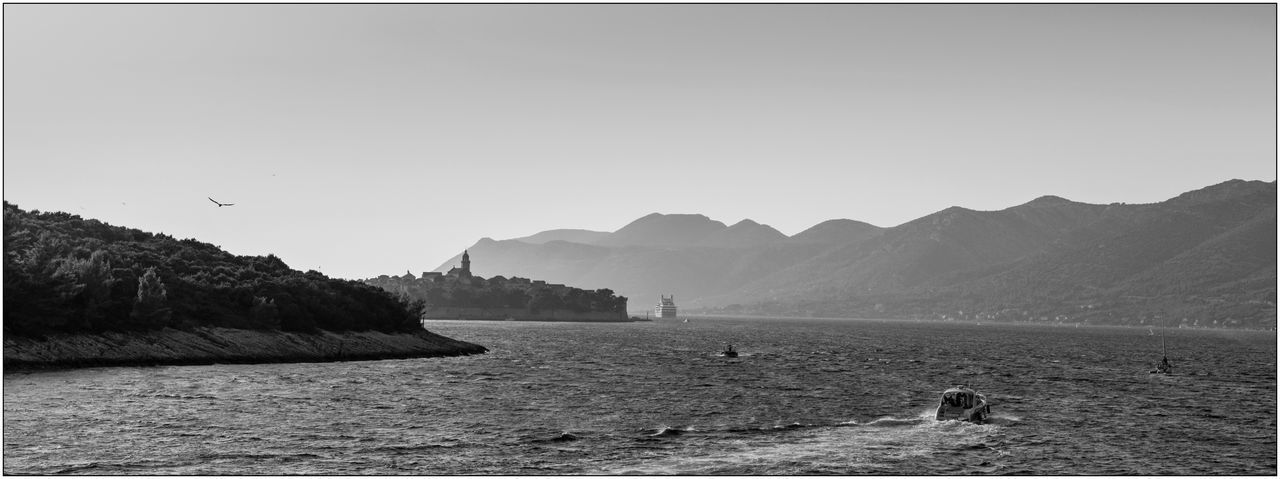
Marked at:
<point>220,204</point>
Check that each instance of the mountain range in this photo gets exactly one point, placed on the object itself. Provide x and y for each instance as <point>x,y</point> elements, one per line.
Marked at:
<point>1206,258</point>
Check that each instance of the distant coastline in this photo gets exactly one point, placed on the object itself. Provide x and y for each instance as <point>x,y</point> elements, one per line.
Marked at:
<point>524,314</point>
<point>703,316</point>
<point>205,345</point>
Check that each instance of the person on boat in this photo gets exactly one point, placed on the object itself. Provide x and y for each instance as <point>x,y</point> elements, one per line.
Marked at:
<point>1164,365</point>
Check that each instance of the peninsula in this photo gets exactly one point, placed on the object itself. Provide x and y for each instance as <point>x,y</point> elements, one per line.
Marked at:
<point>79,292</point>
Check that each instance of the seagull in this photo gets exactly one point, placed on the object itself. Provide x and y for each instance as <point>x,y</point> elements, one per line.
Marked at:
<point>220,204</point>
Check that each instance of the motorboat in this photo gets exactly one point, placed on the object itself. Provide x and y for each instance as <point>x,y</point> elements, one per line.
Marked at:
<point>961,403</point>
<point>729,352</point>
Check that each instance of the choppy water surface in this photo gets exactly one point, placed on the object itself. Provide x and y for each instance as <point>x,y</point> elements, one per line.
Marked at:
<point>806,397</point>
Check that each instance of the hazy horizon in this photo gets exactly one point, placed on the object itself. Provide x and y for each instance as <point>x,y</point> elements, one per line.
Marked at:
<point>362,140</point>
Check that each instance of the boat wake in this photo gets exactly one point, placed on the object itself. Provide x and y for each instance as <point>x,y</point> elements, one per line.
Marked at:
<point>923,419</point>
<point>892,422</point>
<point>850,447</point>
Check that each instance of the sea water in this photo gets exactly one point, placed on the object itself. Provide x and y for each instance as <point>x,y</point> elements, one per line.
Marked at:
<point>805,396</point>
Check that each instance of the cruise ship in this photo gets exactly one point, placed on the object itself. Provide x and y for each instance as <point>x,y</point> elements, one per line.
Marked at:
<point>666,308</point>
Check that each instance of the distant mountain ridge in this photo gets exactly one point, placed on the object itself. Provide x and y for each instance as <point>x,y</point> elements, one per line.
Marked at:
<point>1203,258</point>
<point>659,230</point>
<point>837,231</point>
<point>570,235</point>
<point>743,234</point>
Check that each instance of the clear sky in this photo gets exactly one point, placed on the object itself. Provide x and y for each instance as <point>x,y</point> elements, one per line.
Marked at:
<point>373,139</point>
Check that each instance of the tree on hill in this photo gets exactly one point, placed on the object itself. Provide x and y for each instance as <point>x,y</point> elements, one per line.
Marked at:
<point>150,308</point>
<point>88,283</point>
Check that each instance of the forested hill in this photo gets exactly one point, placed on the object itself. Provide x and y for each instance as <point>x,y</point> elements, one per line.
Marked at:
<point>67,274</point>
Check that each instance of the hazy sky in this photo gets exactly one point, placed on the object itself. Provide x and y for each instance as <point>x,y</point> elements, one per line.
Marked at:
<point>373,139</point>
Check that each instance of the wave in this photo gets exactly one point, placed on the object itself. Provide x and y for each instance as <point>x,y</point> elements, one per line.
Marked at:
<point>160,395</point>
<point>668,431</point>
<point>1000,419</point>
<point>408,449</point>
<point>237,455</point>
<point>562,437</point>
<point>770,429</point>
<point>119,468</point>
<point>894,422</point>
<point>104,468</point>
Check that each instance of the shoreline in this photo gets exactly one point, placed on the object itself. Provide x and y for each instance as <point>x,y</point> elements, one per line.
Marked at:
<point>427,321</point>
<point>1054,324</point>
<point>206,346</point>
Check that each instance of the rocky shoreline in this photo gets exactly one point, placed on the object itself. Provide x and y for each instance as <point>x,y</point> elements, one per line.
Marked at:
<point>223,345</point>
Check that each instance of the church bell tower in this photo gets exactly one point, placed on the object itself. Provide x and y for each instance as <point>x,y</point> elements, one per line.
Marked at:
<point>466,263</point>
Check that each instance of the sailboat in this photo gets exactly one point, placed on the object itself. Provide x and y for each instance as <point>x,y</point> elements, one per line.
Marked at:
<point>1163,367</point>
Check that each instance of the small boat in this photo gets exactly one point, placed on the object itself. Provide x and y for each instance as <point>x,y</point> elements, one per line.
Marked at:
<point>729,352</point>
<point>1164,367</point>
<point>961,403</point>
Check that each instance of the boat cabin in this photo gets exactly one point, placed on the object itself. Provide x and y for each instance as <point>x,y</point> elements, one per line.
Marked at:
<point>962,403</point>
<point>958,397</point>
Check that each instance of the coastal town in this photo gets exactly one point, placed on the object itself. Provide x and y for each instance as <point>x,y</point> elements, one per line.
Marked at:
<point>459,294</point>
